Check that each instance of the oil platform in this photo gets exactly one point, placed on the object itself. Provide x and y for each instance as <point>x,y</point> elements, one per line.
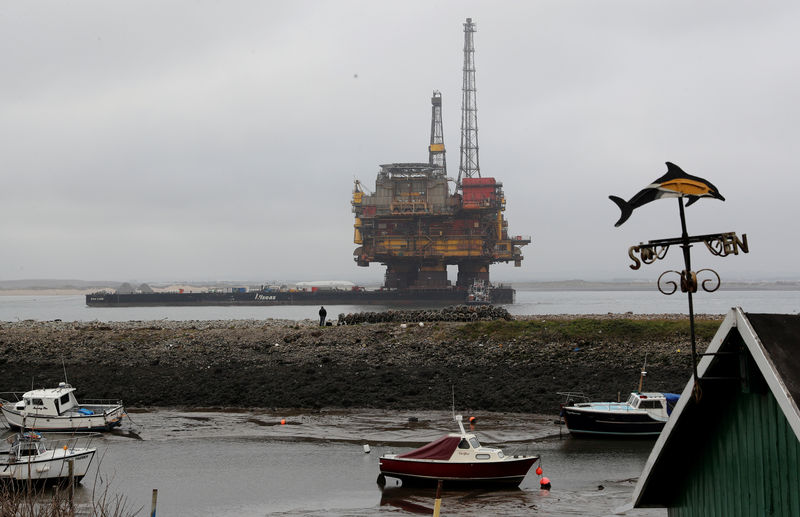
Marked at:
<point>416,227</point>
<point>412,223</point>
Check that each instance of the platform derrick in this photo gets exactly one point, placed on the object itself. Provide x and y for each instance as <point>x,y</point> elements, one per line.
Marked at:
<point>416,227</point>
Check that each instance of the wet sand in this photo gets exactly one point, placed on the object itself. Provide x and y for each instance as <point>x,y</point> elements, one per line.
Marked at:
<point>245,463</point>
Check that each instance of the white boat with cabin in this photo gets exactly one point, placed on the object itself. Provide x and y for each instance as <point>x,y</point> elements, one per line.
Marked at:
<point>456,459</point>
<point>57,409</point>
<point>29,460</point>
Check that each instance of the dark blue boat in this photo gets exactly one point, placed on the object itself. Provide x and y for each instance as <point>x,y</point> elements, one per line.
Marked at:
<point>643,414</point>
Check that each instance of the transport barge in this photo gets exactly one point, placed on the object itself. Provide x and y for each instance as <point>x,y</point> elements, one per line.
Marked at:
<point>243,297</point>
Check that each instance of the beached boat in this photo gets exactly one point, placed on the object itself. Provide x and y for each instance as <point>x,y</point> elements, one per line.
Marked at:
<point>29,459</point>
<point>456,459</point>
<point>643,414</point>
<point>57,409</point>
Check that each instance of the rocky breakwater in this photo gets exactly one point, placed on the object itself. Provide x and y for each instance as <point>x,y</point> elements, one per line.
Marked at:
<point>497,365</point>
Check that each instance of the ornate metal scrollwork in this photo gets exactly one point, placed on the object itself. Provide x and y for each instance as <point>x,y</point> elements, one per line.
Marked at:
<point>705,283</point>
<point>688,282</point>
<point>671,283</point>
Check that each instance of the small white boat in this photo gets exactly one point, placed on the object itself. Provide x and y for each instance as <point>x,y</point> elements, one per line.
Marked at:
<point>57,409</point>
<point>29,459</point>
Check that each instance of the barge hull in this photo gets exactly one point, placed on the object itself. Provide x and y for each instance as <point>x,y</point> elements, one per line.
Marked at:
<point>499,295</point>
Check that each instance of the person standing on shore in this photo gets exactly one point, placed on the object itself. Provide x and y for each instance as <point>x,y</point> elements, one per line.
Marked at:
<point>322,314</point>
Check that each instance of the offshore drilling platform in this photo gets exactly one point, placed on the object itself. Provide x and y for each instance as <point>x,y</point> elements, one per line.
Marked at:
<point>416,227</point>
<point>411,223</point>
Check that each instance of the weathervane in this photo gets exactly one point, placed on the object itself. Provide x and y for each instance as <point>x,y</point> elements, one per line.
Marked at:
<point>676,183</point>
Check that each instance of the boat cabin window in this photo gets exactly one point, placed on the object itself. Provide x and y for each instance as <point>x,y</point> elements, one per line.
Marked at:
<point>34,402</point>
<point>65,398</point>
<point>482,456</point>
<point>475,443</point>
<point>28,449</point>
<point>651,404</point>
<point>463,444</point>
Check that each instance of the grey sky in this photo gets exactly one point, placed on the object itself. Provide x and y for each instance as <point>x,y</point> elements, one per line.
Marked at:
<point>219,140</point>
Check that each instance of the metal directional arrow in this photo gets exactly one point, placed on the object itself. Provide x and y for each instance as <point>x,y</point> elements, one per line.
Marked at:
<point>676,183</point>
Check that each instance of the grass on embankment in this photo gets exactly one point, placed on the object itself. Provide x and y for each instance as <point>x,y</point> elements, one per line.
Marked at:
<point>582,329</point>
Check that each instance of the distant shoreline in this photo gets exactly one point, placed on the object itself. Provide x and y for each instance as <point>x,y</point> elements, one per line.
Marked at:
<point>613,286</point>
<point>572,285</point>
<point>45,292</point>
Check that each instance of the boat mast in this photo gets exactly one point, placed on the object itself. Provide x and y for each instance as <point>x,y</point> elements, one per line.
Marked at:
<point>453,403</point>
<point>457,418</point>
<point>643,373</point>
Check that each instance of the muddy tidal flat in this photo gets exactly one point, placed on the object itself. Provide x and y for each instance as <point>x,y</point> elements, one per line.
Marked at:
<point>517,365</point>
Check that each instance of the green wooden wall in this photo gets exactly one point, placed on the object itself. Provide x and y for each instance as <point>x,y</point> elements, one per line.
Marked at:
<point>750,467</point>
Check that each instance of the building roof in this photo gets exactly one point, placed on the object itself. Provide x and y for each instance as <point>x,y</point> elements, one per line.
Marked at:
<point>773,343</point>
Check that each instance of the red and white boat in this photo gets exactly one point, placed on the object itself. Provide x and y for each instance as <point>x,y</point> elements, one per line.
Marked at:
<point>456,459</point>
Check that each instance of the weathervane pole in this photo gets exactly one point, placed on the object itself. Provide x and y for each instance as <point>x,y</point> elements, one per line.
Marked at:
<point>691,284</point>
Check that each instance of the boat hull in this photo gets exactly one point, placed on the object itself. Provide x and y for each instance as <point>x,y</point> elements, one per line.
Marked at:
<point>445,296</point>
<point>105,421</point>
<point>509,472</point>
<point>599,423</point>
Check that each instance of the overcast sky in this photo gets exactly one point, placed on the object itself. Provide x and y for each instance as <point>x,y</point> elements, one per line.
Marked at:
<point>212,140</point>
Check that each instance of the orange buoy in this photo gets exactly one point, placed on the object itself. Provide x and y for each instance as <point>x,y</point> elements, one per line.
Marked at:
<point>283,421</point>
<point>539,471</point>
<point>472,420</point>
<point>545,483</point>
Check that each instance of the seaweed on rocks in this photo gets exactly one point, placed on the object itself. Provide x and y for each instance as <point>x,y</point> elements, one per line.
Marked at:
<point>516,364</point>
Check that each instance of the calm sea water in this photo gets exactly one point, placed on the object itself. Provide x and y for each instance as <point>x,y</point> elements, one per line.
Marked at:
<point>73,308</point>
<point>247,464</point>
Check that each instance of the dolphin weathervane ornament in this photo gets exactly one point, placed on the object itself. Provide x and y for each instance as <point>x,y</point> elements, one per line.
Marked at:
<point>675,183</point>
<point>679,184</point>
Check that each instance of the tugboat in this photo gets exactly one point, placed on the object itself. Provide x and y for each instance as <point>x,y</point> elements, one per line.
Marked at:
<point>479,293</point>
<point>456,459</point>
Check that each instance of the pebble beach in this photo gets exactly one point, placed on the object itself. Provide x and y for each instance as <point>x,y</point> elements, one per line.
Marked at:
<point>517,365</point>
